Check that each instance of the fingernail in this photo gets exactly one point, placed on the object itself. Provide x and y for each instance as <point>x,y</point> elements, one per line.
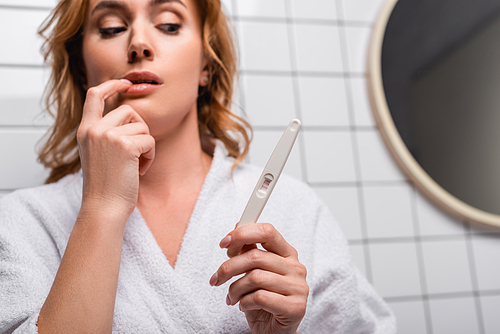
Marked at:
<point>214,279</point>
<point>228,300</point>
<point>239,305</point>
<point>225,242</point>
<point>126,81</point>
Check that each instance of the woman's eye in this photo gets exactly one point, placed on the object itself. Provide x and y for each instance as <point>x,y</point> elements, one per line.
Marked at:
<point>110,32</point>
<point>170,28</point>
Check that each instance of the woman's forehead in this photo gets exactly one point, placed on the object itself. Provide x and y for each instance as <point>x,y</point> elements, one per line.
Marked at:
<point>97,4</point>
<point>188,8</point>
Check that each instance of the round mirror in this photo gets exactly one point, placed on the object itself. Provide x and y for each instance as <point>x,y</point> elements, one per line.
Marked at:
<point>434,83</point>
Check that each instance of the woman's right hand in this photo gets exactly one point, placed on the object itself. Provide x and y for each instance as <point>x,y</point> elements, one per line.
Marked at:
<point>114,150</point>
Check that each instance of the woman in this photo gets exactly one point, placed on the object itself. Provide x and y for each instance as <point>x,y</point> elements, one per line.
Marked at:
<point>146,181</point>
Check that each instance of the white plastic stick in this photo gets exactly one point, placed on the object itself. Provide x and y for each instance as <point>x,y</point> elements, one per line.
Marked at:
<point>268,179</point>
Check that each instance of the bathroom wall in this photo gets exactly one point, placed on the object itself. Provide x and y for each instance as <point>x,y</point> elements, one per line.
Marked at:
<point>305,59</point>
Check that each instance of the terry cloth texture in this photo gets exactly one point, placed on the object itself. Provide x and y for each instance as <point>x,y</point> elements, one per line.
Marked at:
<point>154,297</point>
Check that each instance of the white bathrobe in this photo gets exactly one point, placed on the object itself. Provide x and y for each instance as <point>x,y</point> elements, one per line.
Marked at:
<point>154,297</point>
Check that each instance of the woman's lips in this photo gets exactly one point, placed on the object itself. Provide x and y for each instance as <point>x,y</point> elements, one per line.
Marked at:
<point>142,88</point>
<point>143,82</point>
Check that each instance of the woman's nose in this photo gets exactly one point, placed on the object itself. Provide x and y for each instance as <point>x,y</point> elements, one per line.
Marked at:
<point>140,48</point>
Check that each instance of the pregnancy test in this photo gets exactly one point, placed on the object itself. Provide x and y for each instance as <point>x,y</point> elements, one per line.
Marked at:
<point>268,179</point>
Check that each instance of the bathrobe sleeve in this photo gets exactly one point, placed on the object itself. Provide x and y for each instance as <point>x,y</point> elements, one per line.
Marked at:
<point>341,300</point>
<point>28,263</point>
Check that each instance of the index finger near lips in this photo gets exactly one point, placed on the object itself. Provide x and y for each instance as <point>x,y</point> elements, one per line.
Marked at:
<point>94,101</point>
<point>262,233</point>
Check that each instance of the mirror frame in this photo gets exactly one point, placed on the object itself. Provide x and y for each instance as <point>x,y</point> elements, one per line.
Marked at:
<point>411,168</point>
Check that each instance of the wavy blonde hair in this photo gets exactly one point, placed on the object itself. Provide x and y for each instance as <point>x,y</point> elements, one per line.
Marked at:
<point>65,93</point>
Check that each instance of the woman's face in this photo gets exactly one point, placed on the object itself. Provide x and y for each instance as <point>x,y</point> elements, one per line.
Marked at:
<point>157,45</point>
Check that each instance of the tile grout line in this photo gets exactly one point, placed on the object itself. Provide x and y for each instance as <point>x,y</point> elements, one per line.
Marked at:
<point>237,28</point>
<point>241,84</point>
<point>354,147</point>
<point>23,128</point>
<point>420,260</point>
<point>304,21</point>
<point>357,184</point>
<point>441,296</point>
<point>318,128</point>
<point>242,102</point>
<point>24,66</point>
<point>312,74</point>
<point>433,238</point>
<point>473,277</point>
<point>27,8</point>
<point>292,49</point>
<point>388,240</point>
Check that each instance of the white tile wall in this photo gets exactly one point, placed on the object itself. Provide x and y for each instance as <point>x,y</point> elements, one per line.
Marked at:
<point>264,46</point>
<point>227,7</point>
<point>329,156</point>
<point>490,306</point>
<point>411,317</point>
<point>262,8</point>
<point>446,266</point>
<point>20,102</point>
<point>357,40</point>
<point>269,99</point>
<point>343,202</point>
<point>306,59</point>
<point>314,9</point>
<point>323,101</point>
<point>361,10</point>
<point>29,3</point>
<point>388,211</point>
<point>395,269</point>
<point>19,166</point>
<point>374,159</point>
<point>486,250</point>
<point>434,222</point>
<point>358,257</point>
<point>23,46</point>
<point>321,53</point>
<point>363,115</point>
<point>457,315</point>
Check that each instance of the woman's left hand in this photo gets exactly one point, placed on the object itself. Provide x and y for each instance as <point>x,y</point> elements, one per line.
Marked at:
<point>273,292</point>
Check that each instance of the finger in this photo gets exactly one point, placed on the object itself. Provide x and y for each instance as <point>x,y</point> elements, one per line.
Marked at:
<point>247,248</point>
<point>265,280</point>
<point>240,250</point>
<point>254,259</point>
<point>130,129</point>
<point>265,234</point>
<point>234,251</point>
<point>122,115</point>
<point>147,146</point>
<point>94,101</point>
<point>285,307</point>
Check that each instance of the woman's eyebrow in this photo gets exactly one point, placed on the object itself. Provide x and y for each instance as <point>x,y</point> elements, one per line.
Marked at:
<point>159,2</point>
<point>109,4</point>
<point>123,6</point>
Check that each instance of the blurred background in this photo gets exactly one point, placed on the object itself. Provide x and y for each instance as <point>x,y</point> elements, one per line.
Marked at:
<point>304,59</point>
